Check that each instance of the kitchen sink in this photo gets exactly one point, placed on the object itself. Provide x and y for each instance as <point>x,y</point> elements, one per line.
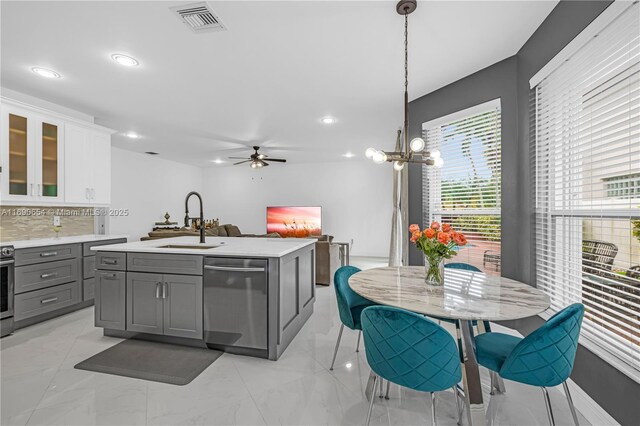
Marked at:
<point>188,247</point>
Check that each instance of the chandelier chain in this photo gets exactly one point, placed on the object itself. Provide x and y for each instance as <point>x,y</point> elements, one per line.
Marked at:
<point>406,50</point>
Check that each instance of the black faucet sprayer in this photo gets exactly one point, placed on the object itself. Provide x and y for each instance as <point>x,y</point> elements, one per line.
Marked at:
<point>186,214</point>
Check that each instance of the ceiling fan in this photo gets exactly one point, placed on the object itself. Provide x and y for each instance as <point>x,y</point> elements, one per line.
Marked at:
<point>257,160</point>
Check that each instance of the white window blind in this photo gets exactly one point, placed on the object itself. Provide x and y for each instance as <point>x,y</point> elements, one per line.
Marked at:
<point>587,187</point>
<point>465,192</point>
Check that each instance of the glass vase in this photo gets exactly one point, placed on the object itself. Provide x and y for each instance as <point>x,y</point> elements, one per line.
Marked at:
<point>434,270</point>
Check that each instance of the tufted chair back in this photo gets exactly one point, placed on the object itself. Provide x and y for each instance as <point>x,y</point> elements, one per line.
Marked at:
<point>409,349</point>
<point>463,266</point>
<point>546,356</point>
<point>347,298</point>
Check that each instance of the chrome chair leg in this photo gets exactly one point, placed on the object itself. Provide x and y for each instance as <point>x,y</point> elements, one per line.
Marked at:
<point>358,344</point>
<point>381,385</point>
<point>458,410</point>
<point>497,384</point>
<point>433,408</point>
<point>570,401</point>
<point>547,402</point>
<point>375,382</point>
<point>388,386</point>
<point>335,352</point>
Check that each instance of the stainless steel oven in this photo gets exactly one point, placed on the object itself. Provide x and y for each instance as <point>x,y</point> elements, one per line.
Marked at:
<point>6,290</point>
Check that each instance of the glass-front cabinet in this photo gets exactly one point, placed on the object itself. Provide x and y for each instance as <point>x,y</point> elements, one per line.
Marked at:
<point>32,154</point>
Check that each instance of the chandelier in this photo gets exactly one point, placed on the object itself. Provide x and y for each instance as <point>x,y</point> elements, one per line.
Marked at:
<point>414,151</point>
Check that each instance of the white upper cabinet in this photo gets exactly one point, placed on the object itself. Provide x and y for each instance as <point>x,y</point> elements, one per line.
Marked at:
<point>88,166</point>
<point>32,156</point>
<point>50,159</point>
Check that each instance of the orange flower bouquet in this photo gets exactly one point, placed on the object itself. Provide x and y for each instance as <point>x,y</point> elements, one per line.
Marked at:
<point>437,243</point>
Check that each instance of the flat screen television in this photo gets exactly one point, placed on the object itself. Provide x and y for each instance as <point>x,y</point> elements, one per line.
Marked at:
<point>294,222</point>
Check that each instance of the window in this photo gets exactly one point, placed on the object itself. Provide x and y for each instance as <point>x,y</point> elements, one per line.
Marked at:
<point>587,179</point>
<point>465,192</point>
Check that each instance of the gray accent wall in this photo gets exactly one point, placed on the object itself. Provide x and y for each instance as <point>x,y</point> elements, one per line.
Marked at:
<point>509,81</point>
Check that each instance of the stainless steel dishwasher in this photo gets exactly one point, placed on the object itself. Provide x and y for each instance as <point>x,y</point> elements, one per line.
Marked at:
<point>236,305</point>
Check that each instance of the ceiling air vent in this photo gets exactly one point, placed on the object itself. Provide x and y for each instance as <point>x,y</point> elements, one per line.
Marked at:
<point>199,17</point>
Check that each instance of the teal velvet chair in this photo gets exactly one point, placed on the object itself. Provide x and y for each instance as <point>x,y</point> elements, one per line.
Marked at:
<point>544,358</point>
<point>350,305</point>
<point>411,351</point>
<point>464,266</point>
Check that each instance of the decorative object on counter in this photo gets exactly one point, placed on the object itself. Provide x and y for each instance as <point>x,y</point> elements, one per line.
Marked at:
<point>437,243</point>
<point>57,230</point>
<point>410,152</point>
<point>166,222</point>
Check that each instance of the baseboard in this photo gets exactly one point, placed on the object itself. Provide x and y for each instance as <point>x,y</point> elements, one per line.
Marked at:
<point>594,413</point>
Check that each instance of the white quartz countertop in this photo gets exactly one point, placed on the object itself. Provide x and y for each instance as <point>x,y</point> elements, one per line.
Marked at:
<point>220,246</point>
<point>42,242</point>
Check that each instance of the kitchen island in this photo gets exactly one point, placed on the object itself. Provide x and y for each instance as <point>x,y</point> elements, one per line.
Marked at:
<point>248,296</point>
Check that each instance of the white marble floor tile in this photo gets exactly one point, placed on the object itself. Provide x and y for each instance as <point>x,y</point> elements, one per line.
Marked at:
<point>40,386</point>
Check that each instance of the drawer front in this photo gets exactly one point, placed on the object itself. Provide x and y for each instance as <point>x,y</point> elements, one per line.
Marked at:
<point>42,275</point>
<point>38,302</point>
<point>113,261</point>
<point>186,264</point>
<point>35,255</point>
<point>88,267</point>
<point>88,289</point>
<point>86,247</point>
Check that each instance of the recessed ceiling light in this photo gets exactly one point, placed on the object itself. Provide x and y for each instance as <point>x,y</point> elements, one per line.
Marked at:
<point>43,72</point>
<point>132,135</point>
<point>328,120</point>
<point>349,155</point>
<point>125,60</point>
<point>217,161</point>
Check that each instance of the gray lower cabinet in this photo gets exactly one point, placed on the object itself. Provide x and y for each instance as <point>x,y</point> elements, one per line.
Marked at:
<point>144,302</point>
<point>41,275</point>
<point>165,304</point>
<point>34,303</point>
<point>110,297</point>
<point>88,289</point>
<point>183,306</point>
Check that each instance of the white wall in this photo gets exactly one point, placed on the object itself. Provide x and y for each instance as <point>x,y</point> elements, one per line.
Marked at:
<point>149,186</point>
<point>356,198</point>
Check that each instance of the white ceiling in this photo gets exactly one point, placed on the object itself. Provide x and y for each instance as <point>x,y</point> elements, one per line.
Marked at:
<point>268,80</point>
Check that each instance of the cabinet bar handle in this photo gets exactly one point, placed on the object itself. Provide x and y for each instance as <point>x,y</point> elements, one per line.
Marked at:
<point>53,299</point>
<point>109,276</point>
<point>165,290</point>
<point>40,188</point>
<point>31,189</point>
<point>49,275</point>
<point>7,262</point>
<point>110,261</point>
<point>49,254</point>
<point>158,284</point>
<point>233,269</point>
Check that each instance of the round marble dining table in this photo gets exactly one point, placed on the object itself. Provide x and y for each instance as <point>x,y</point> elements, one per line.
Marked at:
<point>465,296</point>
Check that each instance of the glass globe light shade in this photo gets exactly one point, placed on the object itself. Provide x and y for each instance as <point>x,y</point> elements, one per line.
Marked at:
<point>254,165</point>
<point>438,162</point>
<point>435,154</point>
<point>379,157</point>
<point>370,152</point>
<point>398,165</point>
<point>416,144</point>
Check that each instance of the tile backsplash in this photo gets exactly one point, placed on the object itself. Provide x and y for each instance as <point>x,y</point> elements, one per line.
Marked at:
<point>28,222</point>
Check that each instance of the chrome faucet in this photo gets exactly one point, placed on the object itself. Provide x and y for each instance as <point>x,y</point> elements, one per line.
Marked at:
<point>186,214</point>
